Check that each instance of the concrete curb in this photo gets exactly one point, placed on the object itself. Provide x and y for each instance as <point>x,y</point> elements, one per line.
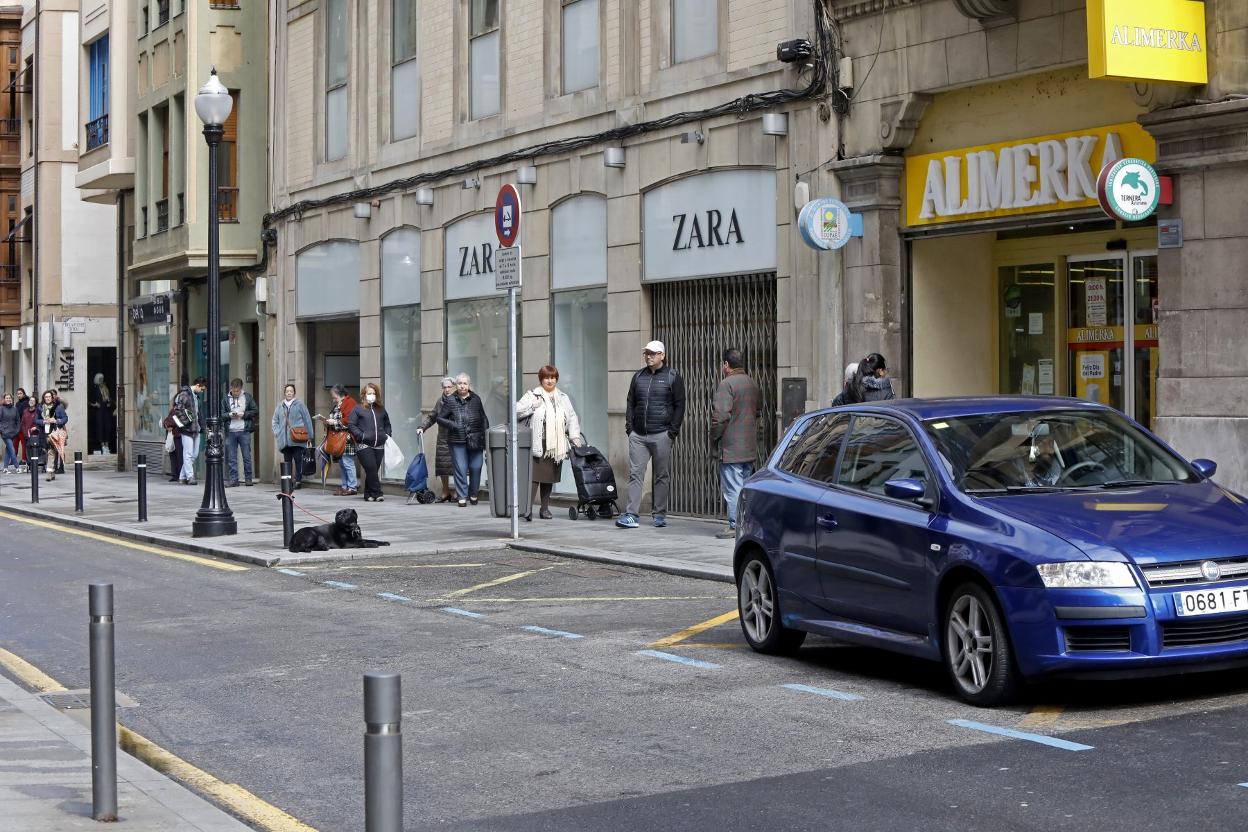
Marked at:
<point>671,567</point>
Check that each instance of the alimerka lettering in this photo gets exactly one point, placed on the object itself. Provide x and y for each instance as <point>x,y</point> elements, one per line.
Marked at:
<point>1140,36</point>
<point>698,231</point>
<point>475,260</point>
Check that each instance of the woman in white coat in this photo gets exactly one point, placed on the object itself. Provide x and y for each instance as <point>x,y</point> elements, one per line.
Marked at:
<point>555,428</point>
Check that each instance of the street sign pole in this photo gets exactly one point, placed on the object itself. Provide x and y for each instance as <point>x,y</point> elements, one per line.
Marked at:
<point>507,276</point>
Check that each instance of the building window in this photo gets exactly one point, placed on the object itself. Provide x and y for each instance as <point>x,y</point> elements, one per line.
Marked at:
<point>476,344</point>
<point>695,29</point>
<point>579,41</point>
<point>336,35</point>
<point>400,332</point>
<point>162,13</point>
<point>327,280</point>
<point>152,384</point>
<point>404,73</point>
<point>483,93</point>
<point>166,142</point>
<point>227,167</point>
<point>97,124</point>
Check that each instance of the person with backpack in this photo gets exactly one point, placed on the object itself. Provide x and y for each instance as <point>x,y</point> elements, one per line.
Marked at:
<point>871,382</point>
<point>652,417</point>
<point>240,411</point>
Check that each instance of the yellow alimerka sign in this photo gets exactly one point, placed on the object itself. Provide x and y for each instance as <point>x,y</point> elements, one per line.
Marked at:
<point>1155,40</point>
<point>1027,176</point>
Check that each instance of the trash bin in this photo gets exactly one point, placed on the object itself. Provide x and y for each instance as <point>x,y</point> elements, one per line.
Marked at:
<point>500,497</point>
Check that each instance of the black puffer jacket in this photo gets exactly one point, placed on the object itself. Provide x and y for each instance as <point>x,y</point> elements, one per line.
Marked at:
<point>369,426</point>
<point>463,417</point>
<point>656,402</point>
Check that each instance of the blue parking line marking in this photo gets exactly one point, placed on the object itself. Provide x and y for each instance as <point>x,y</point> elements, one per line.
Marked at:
<point>828,692</point>
<point>294,572</point>
<point>465,613</point>
<point>1054,742</point>
<point>533,628</point>
<point>392,597</point>
<point>672,657</point>
<point>339,585</point>
<point>1245,785</point>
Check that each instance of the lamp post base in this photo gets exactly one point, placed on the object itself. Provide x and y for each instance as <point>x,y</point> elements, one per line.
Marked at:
<point>214,525</point>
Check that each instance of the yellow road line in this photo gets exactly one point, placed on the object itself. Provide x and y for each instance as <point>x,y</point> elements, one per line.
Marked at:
<point>676,638</point>
<point>140,547</point>
<point>459,593</point>
<point>1041,716</point>
<point>584,599</point>
<point>28,673</point>
<point>231,795</point>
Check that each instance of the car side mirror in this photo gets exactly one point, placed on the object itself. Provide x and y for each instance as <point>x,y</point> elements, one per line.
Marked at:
<point>1205,467</point>
<point>914,491</point>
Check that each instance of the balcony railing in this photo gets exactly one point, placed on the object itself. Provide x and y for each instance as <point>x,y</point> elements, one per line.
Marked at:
<point>10,126</point>
<point>227,204</point>
<point>97,132</point>
<point>162,12</point>
<point>162,215</point>
<point>9,273</point>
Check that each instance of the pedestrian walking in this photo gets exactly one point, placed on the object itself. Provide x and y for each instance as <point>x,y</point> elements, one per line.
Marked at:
<point>839,398</point>
<point>735,409</point>
<point>50,420</point>
<point>369,424</point>
<point>292,430</point>
<point>100,403</point>
<point>871,382</point>
<point>443,465</point>
<point>64,405</point>
<point>653,414</point>
<point>184,414</point>
<point>21,402</point>
<point>555,429</point>
<point>466,424</point>
<point>241,413</point>
<point>10,429</point>
<point>339,443</point>
<point>32,441</point>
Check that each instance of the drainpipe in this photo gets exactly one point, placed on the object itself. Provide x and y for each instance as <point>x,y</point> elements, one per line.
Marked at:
<point>119,388</point>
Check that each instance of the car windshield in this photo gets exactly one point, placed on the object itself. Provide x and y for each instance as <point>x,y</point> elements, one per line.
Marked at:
<point>1047,450</point>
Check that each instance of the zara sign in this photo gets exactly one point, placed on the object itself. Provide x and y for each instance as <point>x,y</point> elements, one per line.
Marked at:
<point>712,224</point>
<point>471,248</point>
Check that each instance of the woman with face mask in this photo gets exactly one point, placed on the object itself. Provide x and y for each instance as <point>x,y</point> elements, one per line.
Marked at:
<point>369,424</point>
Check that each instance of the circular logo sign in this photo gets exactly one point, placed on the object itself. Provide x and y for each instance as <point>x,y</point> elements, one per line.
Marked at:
<point>507,215</point>
<point>1210,570</point>
<point>825,224</point>
<point>1129,189</point>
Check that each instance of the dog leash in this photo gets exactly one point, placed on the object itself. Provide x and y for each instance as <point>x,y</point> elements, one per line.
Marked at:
<point>291,497</point>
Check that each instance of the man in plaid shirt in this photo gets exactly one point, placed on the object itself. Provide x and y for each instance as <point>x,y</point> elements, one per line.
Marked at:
<point>734,427</point>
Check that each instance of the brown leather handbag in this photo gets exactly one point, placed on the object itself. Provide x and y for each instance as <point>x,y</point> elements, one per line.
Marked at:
<point>299,434</point>
<point>336,443</point>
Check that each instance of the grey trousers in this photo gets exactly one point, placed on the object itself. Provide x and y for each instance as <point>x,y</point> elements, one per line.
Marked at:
<point>641,450</point>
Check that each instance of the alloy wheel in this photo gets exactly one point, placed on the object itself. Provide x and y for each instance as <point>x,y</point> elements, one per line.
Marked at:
<point>756,601</point>
<point>971,643</point>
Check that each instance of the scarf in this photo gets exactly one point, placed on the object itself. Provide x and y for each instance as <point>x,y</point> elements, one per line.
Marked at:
<point>556,427</point>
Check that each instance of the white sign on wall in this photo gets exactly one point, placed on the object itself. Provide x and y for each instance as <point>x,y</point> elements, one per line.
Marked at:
<point>1095,294</point>
<point>713,224</point>
<point>471,245</point>
<point>1092,365</point>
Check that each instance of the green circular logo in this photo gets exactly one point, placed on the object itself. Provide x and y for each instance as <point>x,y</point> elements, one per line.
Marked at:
<point>1129,189</point>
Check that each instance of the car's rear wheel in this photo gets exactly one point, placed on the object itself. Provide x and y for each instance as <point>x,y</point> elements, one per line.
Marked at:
<point>978,654</point>
<point>758,604</point>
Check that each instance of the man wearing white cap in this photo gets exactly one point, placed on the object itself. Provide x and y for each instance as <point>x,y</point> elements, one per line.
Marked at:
<point>652,418</point>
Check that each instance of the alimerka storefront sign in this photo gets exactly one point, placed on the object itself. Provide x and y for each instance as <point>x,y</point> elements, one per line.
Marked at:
<point>1153,40</point>
<point>1034,175</point>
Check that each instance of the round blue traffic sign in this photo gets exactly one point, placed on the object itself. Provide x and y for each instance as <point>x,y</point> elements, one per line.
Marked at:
<point>507,216</point>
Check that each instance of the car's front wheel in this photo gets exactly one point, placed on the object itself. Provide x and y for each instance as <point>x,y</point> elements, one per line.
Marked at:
<point>978,654</point>
<point>758,604</point>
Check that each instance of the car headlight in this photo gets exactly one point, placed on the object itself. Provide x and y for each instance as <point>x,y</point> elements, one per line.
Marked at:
<point>1086,573</point>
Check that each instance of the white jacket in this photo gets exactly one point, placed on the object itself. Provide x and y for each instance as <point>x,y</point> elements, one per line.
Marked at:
<point>531,405</point>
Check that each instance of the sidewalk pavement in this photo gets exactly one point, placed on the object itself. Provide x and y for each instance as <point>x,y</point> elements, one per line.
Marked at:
<point>686,547</point>
<point>45,777</point>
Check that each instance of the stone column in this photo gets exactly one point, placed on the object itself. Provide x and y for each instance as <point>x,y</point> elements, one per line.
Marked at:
<point>1203,387</point>
<point>874,280</point>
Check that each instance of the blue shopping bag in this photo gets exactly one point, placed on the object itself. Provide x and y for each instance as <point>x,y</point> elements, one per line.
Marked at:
<point>417,474</point>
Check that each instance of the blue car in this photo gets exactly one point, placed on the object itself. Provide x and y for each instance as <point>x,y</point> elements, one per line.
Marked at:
<point>1010,538</point>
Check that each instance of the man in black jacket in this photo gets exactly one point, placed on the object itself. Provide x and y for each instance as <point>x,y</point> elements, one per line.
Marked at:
<point>652,419</point>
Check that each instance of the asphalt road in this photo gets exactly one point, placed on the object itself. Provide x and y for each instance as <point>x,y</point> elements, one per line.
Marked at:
<point>255,677</point>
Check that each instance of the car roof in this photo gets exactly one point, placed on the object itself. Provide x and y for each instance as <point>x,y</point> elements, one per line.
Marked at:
<point>951,407</point>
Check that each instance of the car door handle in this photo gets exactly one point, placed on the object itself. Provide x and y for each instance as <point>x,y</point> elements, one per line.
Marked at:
<point>826,521</point>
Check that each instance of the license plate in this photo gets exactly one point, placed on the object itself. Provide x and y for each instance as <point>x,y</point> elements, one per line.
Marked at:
<point>1209,601</point>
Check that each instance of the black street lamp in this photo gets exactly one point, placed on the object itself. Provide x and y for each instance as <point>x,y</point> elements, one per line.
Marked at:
<point>214,519</point>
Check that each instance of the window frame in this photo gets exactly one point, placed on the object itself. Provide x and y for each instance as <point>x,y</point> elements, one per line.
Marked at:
<point>411,59</point>
<point>333,84</point>
<point>475,34</point>
<point>671,45</point>
<point>563,46</point>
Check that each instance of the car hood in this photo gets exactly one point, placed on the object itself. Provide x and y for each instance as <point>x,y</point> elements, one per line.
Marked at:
<point>1151,524</point>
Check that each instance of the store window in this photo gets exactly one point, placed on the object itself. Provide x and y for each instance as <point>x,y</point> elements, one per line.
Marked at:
<point>1028,340</point>
<point>336,80</point>
<point>578,284</point>
<point>695,29</point>
<point>152,385</point>
<point>328,280</point>
<point>483,58</point>
<point>476,344</point>
<point>400,333</point>
<point>404,72</point>
<point>579,38</point>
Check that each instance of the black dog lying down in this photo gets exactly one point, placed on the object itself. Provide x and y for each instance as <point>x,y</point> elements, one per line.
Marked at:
<point>343,533</point>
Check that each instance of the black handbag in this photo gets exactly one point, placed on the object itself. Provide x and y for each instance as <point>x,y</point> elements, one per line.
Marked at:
<point>476,441</point>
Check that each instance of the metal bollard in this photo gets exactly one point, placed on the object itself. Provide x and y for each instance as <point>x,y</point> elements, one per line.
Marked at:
<point>103,705</point>
<point>78,482</point>
<point>34,478</point>
<point>140,468</point>
<point>383,753</point>
<point>288,507</point>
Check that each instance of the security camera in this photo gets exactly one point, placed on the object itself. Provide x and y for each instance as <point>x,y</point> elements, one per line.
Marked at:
<point>791,51</point>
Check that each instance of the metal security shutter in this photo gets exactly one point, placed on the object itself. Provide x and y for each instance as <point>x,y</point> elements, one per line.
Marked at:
<point>697,320</point>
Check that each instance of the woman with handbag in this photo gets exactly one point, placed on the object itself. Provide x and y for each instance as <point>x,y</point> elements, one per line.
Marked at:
<point>339,444</point>
<point>50,419</point>
<point>466,423</point>
<point>370,427</point>
<point>443,466</point>
<point>292,430</point>
<point>555,429</point>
